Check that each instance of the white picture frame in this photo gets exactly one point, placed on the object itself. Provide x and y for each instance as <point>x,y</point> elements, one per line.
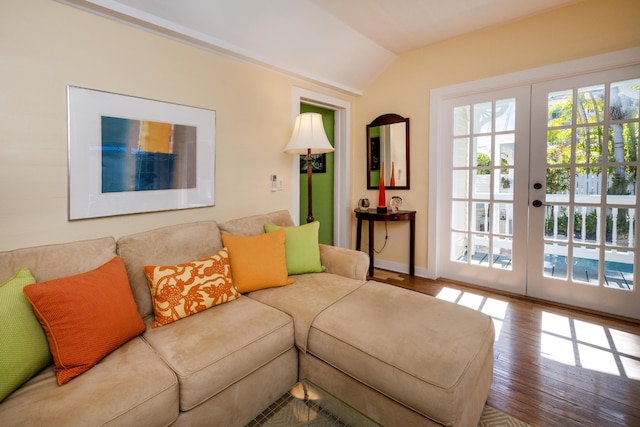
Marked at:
<point>114,138</point>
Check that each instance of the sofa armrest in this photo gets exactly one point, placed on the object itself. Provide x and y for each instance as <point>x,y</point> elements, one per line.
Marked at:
<point>344,262</point>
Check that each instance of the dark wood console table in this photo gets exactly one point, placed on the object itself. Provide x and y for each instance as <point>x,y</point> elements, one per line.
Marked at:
<point>372,216</point>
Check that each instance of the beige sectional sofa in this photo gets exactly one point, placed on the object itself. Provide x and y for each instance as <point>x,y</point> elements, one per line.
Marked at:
<point>401,357</point>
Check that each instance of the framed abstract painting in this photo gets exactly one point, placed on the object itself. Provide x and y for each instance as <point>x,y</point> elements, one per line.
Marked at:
<point>130,155</point>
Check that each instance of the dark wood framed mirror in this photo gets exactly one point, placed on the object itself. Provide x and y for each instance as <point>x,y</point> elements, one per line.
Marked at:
<point>388,145</point>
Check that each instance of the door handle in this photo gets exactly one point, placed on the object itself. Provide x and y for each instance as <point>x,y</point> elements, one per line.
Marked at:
<point>538,203</point>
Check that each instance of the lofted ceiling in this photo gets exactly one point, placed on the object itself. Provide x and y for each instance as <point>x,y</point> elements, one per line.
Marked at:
<point>343,44</point>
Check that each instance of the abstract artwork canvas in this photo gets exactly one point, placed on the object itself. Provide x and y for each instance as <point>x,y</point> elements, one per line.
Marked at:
<point>130,155</point>
<point>141,155</point>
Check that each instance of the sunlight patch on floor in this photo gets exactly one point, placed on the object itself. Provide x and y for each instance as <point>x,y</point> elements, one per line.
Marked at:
<point>591,334</point>
<point>449,294</point>
<point>555,324</point>
<point>590,346</point>
<point>557,348</point>
<point>631,368</point>
<point>626,342</point>
<point>564,339</point>
<point>470,300</point>
<point>597,359</point>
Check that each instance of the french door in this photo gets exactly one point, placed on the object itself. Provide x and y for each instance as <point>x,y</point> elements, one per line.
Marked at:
<point>485,232</point>
<point>583,201</point>
<point>540,189</point>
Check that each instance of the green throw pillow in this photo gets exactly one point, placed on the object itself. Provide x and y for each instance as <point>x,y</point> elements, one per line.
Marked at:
<point>301,247</point>
<point>24,350</point>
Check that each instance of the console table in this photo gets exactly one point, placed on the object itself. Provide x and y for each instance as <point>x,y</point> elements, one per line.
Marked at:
<point>372,216</point>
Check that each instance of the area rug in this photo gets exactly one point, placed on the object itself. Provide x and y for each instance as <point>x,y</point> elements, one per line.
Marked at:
<point>493,418</point>
<point>285,412</point>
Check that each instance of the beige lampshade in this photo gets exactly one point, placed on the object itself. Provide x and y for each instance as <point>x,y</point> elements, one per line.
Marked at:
<point>308,133</point>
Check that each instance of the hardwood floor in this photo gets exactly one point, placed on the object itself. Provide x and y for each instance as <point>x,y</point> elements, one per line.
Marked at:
<point>553,366</point>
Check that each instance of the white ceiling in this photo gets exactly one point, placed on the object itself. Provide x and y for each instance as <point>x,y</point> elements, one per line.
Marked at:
<point>344,44</point>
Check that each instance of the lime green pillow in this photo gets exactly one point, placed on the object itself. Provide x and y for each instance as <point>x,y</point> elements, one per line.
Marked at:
<point>301,247</point>
<point>24,350</point>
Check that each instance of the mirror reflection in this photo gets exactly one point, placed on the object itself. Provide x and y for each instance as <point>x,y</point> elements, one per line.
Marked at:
<point>388,152</point>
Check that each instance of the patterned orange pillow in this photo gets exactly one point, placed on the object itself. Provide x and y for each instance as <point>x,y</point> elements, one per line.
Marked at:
<point>181,290</point>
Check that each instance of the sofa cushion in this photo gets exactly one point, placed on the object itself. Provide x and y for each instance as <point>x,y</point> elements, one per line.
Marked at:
<point>23,346</point>
<point>301,247</point>
<point>165,246</point>
<point>257,262</point>
<point>215,348</point>
<point>253,225</point>
<point>52,261</point>
<point>129,387</point>
<point>85,316</point>
<point>432,366</point>
<point>181,290</point>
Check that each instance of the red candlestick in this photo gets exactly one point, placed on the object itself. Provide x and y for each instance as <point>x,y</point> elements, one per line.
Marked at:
<point>392,180</point>
<point>382,199</point>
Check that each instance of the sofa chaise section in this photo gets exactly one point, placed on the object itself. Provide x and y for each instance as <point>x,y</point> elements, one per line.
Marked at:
<point>401,357</point>
<point>433,357</point>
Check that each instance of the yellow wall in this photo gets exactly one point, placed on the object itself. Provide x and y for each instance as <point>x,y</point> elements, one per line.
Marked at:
<point>585,29</point>
<point>45,46</point>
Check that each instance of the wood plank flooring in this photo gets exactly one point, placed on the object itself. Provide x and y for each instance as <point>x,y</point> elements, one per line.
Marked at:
<point>553,366</point>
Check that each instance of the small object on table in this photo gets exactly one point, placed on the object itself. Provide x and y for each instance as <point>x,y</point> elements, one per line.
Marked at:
<point>395,203</point>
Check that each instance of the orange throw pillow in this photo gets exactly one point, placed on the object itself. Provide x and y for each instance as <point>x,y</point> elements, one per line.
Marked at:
<point>257,262</point>
<point>181,290</point>
<point>85,317</point>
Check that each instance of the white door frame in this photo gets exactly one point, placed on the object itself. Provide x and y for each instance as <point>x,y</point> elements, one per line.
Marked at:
<point>342,160</point>
<point>438,96</point>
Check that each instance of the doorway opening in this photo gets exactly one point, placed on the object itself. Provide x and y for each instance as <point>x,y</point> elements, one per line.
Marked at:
<point>342,211</point>
<point>323,177</point>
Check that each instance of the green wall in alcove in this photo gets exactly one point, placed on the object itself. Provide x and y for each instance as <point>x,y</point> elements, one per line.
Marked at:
<point>322,182</point>
<point>374,177</point>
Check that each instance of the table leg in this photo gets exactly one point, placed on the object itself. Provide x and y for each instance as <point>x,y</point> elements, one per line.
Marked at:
<point>371,246</point>
<point>412,247</point>
<point>359,234</point>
